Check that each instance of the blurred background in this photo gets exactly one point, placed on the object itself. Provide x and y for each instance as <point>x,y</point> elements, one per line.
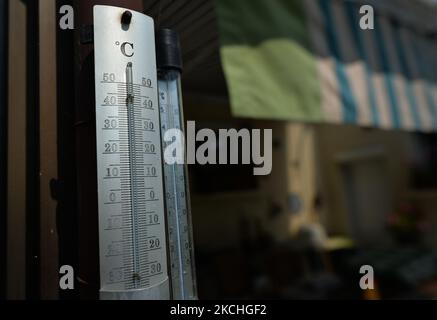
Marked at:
<point>351,100</point>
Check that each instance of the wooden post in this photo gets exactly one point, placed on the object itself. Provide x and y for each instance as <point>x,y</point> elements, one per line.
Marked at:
<point>16,184</point>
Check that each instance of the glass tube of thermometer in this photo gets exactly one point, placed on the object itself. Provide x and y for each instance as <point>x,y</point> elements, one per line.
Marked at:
<point>179,227</point>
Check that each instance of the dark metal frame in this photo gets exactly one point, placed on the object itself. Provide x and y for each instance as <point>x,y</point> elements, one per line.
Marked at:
<point>64,188</point>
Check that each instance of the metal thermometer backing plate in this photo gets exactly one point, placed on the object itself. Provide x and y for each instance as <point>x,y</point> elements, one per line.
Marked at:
<point>130,192</point>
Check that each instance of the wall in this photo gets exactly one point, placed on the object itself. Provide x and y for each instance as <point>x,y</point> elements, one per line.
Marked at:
<point>332,142</point>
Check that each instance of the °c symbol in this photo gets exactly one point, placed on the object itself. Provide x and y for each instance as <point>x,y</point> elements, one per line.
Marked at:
<point>127,49</point>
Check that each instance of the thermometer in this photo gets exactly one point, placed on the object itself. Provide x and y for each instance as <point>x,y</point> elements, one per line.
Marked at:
<point>132,219</point>
<point>175,174</point>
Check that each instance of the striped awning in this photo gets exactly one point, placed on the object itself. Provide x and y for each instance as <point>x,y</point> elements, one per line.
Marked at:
<point>309,60</point>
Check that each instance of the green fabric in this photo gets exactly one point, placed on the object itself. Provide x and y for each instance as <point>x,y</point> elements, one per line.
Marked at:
<point>269,68</point>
